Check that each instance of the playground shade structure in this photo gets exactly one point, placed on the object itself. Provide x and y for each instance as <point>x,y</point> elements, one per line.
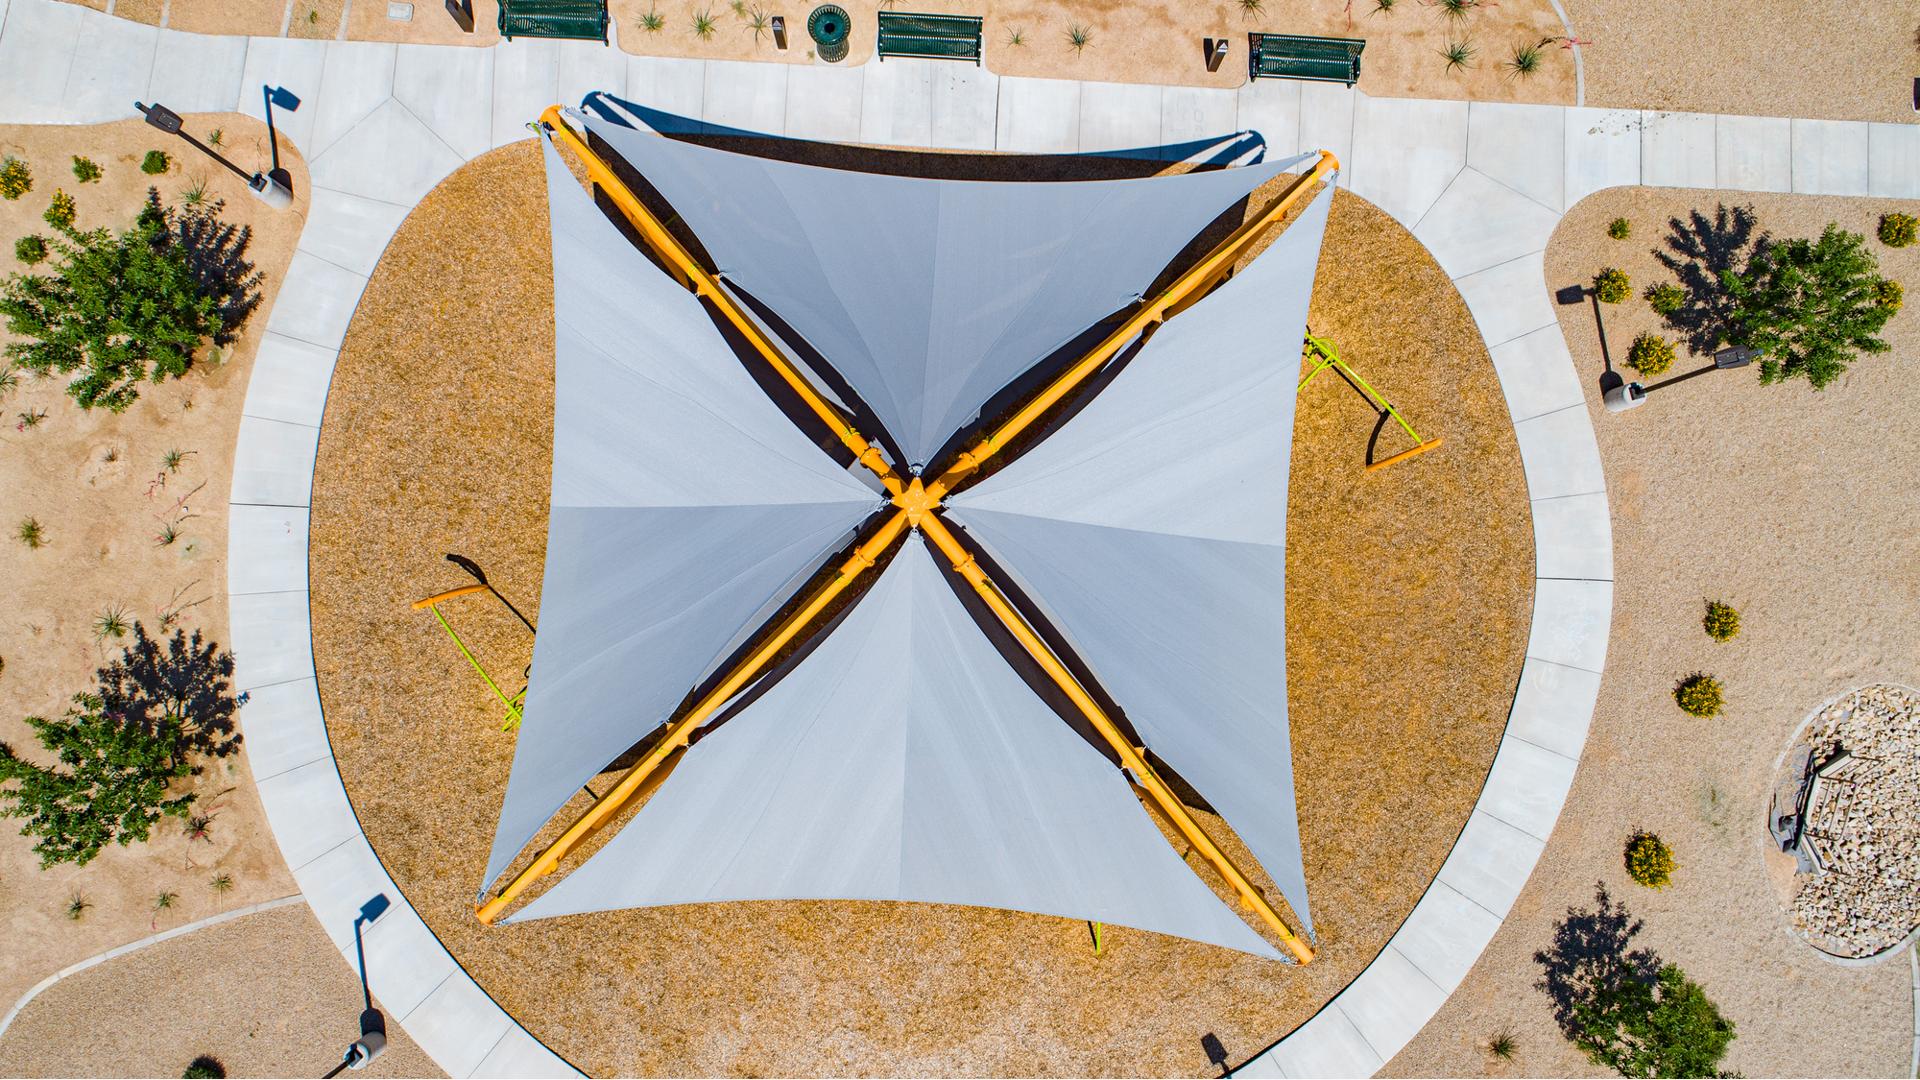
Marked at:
<point>902,757</point>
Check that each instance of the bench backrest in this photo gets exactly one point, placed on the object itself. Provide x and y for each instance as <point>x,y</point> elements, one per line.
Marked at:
<point>578,19</point>
<point>1293,56</point>
<point>941,37</point>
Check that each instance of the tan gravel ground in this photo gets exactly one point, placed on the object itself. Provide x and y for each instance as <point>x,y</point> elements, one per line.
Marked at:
<point>420,456</point>
<point>1815,58</point>
<point>265,995</point>
<point>101,518</point>
<point>1795,508</point>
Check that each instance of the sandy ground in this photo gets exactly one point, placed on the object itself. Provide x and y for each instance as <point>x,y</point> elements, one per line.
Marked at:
<point>1161,41</point>
<point>292,1017</point>
<point>101,517</point>
<point>419,458</point>
<point>1847,61</point>
<point>1794,508</point>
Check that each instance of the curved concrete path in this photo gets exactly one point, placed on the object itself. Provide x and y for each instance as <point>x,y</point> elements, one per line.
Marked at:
<point>1481,185</point>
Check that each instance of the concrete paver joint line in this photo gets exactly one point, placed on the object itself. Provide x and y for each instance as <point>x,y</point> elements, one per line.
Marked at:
<point>1509,301</point>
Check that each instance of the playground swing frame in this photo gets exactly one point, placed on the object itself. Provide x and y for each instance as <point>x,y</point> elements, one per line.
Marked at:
<point>1323,355</point>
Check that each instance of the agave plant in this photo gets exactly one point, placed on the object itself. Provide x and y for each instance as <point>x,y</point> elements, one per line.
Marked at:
<point>1079,37</point>
<point>1459,54</point>
<point>1525,61</point>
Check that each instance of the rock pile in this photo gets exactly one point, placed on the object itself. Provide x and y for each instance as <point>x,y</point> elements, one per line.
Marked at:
<point>1866,824</point>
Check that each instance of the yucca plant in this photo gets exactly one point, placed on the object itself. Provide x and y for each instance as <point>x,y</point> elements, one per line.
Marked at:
<point>1250,8</point>
<point>30,533</point>
<point>652,21</point>
<point>215,136</point>
<point>200,827</point>
<point>111,623</point>
<point>1382,7</point>
<point>9,380</point>
<point>703,24</point>
<point>1524,61</point>
<point>1016,37</point>
<point>1503,1045</point>
<point>28,419</point>
<point>169,532</point>
<point>757,22</point>
<point>1459,55</point>
<point>172,459</point>
<point>1079,37</point>
<point>1456,9</point>
<point>77,906</point>
<point>221,883</point>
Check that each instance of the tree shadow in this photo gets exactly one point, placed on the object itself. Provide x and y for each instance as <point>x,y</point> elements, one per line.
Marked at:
<point>1699,251</point>
<point>216,254</point>
<point>189,682</point>
<point>1589,956</point>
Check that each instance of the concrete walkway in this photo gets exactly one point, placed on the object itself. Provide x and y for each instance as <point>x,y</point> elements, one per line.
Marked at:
<point>1482,185</point>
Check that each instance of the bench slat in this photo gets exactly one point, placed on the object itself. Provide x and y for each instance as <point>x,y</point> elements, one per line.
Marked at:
<point>1292,56</point>
<point>933,36</point>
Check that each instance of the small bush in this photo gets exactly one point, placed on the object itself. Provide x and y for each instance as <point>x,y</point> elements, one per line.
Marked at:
<point>1649,860</point>
<point>15,178</point>
<point>1896,230</point>
<point>61,210</point>
<point>1700,695</point>
<point>1612,286</point>
<point>84,170</point>
<point>1620,228</point>
<point>31,250</point>
<point>1650,355</point>
<point>1721,621</point>
<point>1666,298</point>
<point>1503,1045</point>
<point>1888,294</point>
<point>204,1067</point>
<point>155,163</point>
<point>31,533</point>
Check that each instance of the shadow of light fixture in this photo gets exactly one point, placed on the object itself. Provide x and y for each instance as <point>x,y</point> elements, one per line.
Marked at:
<point>373,1024</point>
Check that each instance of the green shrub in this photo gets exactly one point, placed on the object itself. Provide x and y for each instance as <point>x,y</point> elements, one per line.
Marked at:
<point>60,210</point>
<point>1612,286</point>
<point>1899,230</point>
<point>1649,860</point>
<point>15,178</point>
<point>1721,621</point>
<point>1620,228</point>
<point>108,784</point>
<point>1666,298</point>
<point>155,162</point>
<point>1700,695</point>
<point>204,1067</point>
<point>1650,355</point>
<point>31,250</point>
<point>84,170</point>
<point>1888,294</point>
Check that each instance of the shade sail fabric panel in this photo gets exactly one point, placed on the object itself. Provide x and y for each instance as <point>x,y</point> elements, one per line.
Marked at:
<point>1151,531</point>
<point>929,296</point>
<point>902,760</point>
<point>684,504</point>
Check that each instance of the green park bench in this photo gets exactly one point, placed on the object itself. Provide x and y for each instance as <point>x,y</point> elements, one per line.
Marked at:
<point>1291,56</point>
<point>939,37</point>
<point>584,20</point>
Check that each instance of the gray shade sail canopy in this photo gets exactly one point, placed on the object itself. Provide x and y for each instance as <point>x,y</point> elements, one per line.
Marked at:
<point>684,504</point>
<point>929,296</point>
<point>1150,529</point>
<point>902,760</point>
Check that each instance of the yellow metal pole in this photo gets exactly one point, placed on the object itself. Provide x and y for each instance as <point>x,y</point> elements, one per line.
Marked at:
<point>695,277</point>
<point>1184,290</point>
<point>636,781</point>
<point>914,503</point>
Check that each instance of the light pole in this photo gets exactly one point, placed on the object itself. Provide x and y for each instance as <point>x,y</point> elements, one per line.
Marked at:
<point>268,189</point>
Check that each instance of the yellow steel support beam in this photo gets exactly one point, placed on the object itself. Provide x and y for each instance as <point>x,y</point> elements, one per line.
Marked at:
<point>648,771</point>
<point>1185,290</point>
<point>914,503</point>
<point>703,284</point>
